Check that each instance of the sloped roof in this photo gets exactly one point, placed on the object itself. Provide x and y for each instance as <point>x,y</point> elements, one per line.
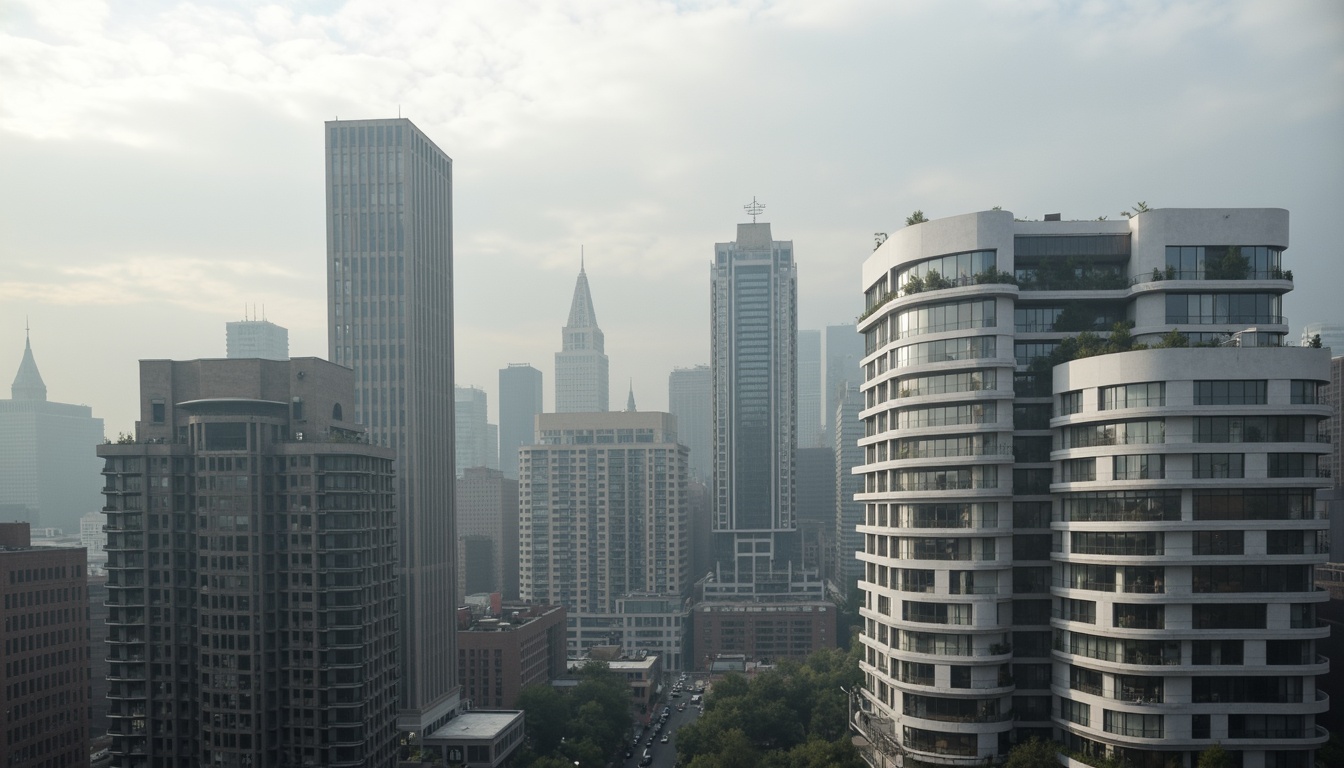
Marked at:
<point>28,384</point>
<point>581,312</point>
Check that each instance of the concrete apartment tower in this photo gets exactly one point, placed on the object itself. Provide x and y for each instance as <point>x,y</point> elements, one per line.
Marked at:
<point>251,571</point>
<point>602,516</point>
<point>581,370</point>
<point>256,338</point>
<point>44,630</point>
<point>519,404</point>
<point>48,470</point>
<point>1116,551</point>
<point>390,318</point>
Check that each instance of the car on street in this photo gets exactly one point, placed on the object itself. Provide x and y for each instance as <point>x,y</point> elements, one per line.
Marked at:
<point>664,739</point>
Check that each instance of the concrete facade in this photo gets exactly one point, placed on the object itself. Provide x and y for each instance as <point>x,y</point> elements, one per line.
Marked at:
<point>689,399</point>
<point>1069,553</point>
<point>390,318</point>
<point>256,338</point>
<point>251,572</point>
<point>44,678</point>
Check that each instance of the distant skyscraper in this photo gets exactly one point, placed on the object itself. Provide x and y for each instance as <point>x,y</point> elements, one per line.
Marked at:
<point>689,399</point>
<point>848,512</point>
<point>754,327</point>
<point>519,404</point>
<point>1332,336</point>
<point>809,390</point>
<point>844,352</point>
<point>477,443</point>
<point>390,317</point>
<point>487,524</point>
<point>48,470</point>
<point>281,614</point>
<point>623,534</point>
<point>257,338</point>
<point>581,377</point>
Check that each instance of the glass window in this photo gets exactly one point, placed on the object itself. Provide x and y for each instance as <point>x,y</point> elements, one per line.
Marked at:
<point>1149,466</point>
<point>1141,395</point>
<point>1306,392</point>
<point>1223,308</point>
<point>1078,470</point>
<point>945,271</point>
<point>950,316</point>
<point>1235,392</point>
<point>1218,465</point>
<point>1071,403</point>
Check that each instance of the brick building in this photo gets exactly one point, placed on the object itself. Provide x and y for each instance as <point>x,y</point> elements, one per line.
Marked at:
<point>498,657</point>
<point>44,680</point>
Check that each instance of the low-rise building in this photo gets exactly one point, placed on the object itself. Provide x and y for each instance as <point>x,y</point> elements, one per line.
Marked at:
<point>498,657</point>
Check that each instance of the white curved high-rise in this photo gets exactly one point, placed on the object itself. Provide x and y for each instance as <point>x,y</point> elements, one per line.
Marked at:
<point>971,471</point>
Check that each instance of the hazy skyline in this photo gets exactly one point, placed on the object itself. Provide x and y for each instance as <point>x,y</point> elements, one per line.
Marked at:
<point>163,163</point>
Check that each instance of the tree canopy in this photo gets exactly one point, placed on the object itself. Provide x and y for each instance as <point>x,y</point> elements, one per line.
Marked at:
<point>587,723</point>
<point>793,716</point>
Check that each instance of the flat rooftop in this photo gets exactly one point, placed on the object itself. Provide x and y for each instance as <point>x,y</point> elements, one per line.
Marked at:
<point>477,725</point>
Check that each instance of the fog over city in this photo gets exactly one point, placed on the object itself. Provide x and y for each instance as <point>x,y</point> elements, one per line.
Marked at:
<point>163,162</point>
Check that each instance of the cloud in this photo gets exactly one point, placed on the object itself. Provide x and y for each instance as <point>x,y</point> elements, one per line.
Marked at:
<point>152,151</point>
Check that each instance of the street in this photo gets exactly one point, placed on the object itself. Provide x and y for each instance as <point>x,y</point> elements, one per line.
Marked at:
<point>665,755</point>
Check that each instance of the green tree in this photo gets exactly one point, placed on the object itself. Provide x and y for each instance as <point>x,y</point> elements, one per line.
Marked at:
<point>546,717</point>
<point>1215,757</point>
<point>1315,342</point>
<point>1139,207</point>
<point>915,218</point>
<point>1173,338</point>
<point>1034,754</point>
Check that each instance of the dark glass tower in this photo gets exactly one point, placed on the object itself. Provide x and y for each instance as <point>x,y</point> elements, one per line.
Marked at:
<point>390,317</point>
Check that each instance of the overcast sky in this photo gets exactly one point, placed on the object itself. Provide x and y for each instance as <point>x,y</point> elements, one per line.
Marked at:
<point>161,163</point>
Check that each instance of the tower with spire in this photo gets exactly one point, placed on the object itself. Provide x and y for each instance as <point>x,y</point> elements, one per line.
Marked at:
<point>581,368</point>
<point>49,474</point>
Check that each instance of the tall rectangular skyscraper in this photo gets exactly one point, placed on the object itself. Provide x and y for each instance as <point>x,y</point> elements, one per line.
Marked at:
<point>754,332</point>
<point>688,398</point>
<point>809,390</point>
<point>390,318</point>
<point>519,404</point>
<point>477,440</point>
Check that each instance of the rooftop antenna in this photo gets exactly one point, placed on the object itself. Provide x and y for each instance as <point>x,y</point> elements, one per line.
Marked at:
<point>754,209</point>
<point>580,257</point>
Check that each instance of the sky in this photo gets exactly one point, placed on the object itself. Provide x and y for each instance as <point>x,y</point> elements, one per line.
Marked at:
<point>161,164</point>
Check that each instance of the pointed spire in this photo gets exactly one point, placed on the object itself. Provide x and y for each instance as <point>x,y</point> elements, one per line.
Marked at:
<point>28,384</point>
<point>630,401</point>
<point>581,312</point>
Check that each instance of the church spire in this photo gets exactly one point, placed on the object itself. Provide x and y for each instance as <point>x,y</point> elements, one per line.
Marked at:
<point>28,384</point>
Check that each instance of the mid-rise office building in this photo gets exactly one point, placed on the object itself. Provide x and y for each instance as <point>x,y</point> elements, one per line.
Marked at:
<point>1115,550</point>
<point>44,677</point>
<point>519,404</point>
<point>499,656</point>
<point>390,318</point>
<point>252,554</point>
<point>487,527</point>
<point>48,470</point>
<point>690,399</point>
<point>256,338</point>
<point>582,379</point>
<point>602,515</point>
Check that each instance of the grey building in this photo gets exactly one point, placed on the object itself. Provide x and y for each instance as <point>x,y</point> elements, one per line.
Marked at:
<point>256,338</point>
<point>848,510</point>
<point>251,572</point>
<point>582,379</point>
<point>689,399</point>
<point>48,470</point>
<point>477,439</point>
<point>602,516</point>
<point>390,318</point>
<point>754,326</point>
<point>519,404</point>
<point>487,528</point>
<point>809,390</point>
<point>844,355</point>
<point>1112,548</point>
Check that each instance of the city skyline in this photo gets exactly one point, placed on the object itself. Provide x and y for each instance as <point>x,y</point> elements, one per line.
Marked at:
<point>160,155</point>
